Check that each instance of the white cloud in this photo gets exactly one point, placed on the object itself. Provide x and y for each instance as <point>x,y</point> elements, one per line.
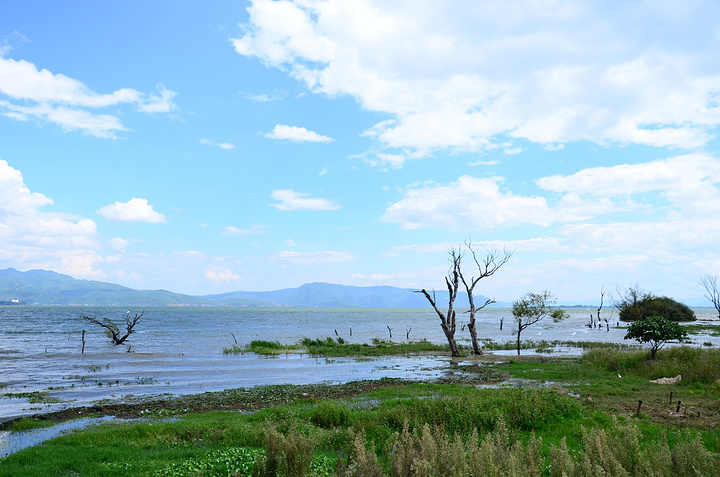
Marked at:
<point>296,134</point>
<point>253,230</point>
<point>39,94</point>
<point>119,244</point>
<point>34,238</point>
<point>222,276</point>
<point>291,200</point>
<point>190,255</point>
<point>221,145</point>
<point>264,97</point>
<point>134,210</point>
<point>688,184</point>
<point>492,162</point>
<point>315,258</point>
<point>684,180</point>
<point>462,77</point>
<point>469,203</point>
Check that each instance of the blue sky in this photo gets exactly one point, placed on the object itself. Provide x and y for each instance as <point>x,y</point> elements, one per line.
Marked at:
<point>205,147</point>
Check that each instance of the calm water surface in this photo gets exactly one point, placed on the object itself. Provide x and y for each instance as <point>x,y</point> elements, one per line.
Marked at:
<point>179,350</point>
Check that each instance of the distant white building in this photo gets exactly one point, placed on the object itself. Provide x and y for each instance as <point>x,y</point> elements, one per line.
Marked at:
<point>15,301</point>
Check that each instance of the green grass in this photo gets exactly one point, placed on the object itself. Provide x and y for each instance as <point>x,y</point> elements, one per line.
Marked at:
<point>26,424</point>
<point>547,346</point>
<point>338,348</point>
<point>263,347</point>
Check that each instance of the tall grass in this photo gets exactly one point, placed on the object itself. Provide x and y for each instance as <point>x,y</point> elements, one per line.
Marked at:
<point>696,365</point>
<point>336,348</point>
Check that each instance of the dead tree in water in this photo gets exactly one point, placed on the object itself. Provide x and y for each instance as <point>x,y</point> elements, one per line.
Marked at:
<point>486,268</point>
<point>447,321</point>
<point>112,330</point>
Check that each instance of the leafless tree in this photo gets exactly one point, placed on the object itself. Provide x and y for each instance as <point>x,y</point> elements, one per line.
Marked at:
<point>486,267</point>
<point>447,320</point>
<point>627,302</point>
<point>113,330</point>
<point>710,283</point>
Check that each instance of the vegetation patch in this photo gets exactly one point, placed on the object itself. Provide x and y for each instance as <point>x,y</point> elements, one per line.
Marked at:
<point>705,329</point>
<point>573,416</point>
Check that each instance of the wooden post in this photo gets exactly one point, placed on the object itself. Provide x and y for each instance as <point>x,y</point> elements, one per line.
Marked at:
<point>639,405</point>
<point>83,342</point>
<point>501,321</point>
<point>678,407</point>
<point>671,393</point>
<point>351,331</point>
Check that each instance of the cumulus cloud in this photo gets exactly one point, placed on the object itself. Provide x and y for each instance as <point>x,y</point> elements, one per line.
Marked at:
<point>296,134</point>
<point>469,202</point>
<point>119,244</point>
<point>134,210</point>
<point>27,92</point>
<point>36,238</point>
<point>687,183</point>
<point>468,75</point>
<point>222,275</point>
<point>291,200</point>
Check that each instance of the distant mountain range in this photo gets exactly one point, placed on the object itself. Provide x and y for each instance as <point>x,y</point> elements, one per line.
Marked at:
<point>42,287</point>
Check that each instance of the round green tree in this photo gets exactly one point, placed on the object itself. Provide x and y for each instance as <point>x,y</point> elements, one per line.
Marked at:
<point>650,305</point>
<point>657,331</point>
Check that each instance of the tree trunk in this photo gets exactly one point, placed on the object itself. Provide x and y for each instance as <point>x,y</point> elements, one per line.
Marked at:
<point>473,335</point>
<point>518,342</point>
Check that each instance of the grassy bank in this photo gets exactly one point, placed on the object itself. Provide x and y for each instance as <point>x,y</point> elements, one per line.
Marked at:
<point>338,347</point>
<point>570,416</point>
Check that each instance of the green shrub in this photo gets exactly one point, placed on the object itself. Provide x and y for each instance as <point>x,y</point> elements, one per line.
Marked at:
<point>650,305</point>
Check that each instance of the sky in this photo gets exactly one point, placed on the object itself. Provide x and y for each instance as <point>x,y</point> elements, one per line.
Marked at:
<point>207,147</point>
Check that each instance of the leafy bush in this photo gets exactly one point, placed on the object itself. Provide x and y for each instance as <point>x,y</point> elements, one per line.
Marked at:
<point>657,331</point>
<point>650,305</point>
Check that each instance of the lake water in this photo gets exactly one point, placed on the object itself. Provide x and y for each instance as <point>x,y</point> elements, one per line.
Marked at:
<point>179,350</point>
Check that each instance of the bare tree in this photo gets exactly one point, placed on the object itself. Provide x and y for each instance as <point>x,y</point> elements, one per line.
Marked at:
<point>452,280</point>
<point>532,308</point>
<point>486,267</point>
<point>112,330</point>
<point>627,302</point>
<point>710,283</point>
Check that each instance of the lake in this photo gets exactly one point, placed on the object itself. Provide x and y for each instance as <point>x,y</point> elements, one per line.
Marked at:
<point>179,350</point>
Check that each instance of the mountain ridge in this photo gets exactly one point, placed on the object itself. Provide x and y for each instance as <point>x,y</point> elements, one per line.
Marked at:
<point>44,287</point>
